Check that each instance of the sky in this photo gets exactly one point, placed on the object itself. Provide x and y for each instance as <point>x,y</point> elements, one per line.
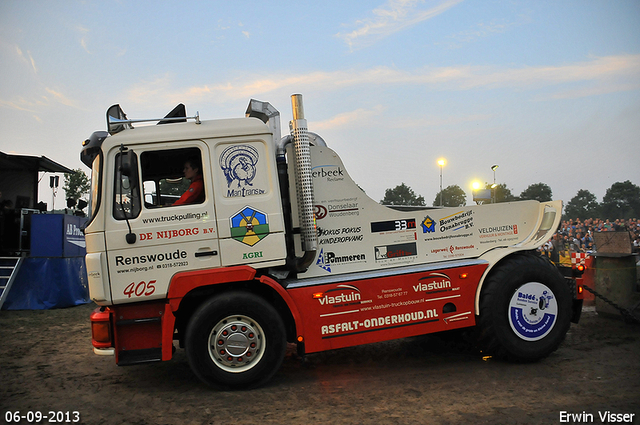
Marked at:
<point>547,90</point>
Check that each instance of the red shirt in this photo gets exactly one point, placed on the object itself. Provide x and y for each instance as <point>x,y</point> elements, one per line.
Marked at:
<point>193,195</point>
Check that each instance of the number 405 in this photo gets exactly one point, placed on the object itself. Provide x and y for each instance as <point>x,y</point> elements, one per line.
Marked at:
<point>140,289</point>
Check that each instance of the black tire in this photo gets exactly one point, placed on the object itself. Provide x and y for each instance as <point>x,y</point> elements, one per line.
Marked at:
<point>525,310</point>
<point>235,340</point>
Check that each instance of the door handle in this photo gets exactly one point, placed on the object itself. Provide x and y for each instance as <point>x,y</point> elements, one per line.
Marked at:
<point>206,253</point>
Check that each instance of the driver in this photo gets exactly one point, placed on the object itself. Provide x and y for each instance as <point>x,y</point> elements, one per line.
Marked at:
<point>195,193</point>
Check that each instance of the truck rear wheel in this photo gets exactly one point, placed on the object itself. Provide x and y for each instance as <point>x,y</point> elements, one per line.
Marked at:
<point>525,310</point>
<point>235,340</point>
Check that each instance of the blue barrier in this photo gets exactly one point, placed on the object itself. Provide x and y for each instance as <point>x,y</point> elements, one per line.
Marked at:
<point>55,274</point>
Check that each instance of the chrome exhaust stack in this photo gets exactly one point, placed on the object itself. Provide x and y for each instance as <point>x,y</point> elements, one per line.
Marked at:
<point>304,184</point>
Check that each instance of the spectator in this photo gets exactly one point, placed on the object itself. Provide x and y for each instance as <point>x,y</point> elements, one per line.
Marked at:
<point>577,235</point>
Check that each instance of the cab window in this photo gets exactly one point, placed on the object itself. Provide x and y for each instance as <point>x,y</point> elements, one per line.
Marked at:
<point>172,177</point>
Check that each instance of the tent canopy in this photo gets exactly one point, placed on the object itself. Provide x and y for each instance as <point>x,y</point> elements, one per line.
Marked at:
<point>32,163</point>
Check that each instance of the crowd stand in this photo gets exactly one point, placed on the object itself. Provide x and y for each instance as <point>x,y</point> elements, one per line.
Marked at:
<point>577,235</point>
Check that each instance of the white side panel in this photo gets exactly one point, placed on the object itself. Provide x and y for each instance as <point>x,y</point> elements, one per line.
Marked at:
<point>248,205</point>
<point>144,273</point>
<point>356,233</point>
<point>270,252</point>
<point>98,276</point>
<point>97,270</point>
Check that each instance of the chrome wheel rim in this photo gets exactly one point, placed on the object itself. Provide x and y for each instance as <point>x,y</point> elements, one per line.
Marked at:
<point>236,343</point>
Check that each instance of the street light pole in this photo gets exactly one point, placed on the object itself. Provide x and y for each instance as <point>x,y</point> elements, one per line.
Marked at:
<point>493,186</point>
<point>441,164</point>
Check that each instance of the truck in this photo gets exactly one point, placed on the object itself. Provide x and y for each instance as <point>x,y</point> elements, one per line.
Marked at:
<point>283,249</point>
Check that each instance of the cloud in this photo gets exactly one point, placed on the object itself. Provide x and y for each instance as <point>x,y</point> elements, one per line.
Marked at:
<point>83,43</point>
<point>600,74</point>
<point>43,101</point>
<point>83,39</point>
<point>596,69</point>
<point>592,91</point>
<point>352,118</point>
<point>481,30</point>
<point>28,59</point>
<point>39,101</point>
<point>61,98</point>
<point>33,63</point>
<point>150,91</point>
<point>438,121</point>
<point>19,105</point>
<point>395,16</point>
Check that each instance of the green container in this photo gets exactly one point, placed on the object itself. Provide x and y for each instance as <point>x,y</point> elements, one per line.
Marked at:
<point>616,279</point>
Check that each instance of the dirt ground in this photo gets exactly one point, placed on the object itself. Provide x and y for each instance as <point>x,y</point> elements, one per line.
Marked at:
<point>47,364</point>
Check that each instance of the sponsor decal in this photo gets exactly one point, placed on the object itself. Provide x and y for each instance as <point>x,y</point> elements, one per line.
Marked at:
<point>458,221</point>
<point>452,250</point>
<point>428,225</point>
<point>150,258</point>
<point>349,206</point>
<point>348,295</point>
<point>249,226</point>
<point>75,236</point>
<point>176,217</point>
<point>394,304</point>
<point>322,263</point>
<point>450,227</point>
<point>340,235</point>
<point>392,293</point>
<point>320,211</point>
<point>140,289</point>
<point>251,255</point>
<point>388,252</point>
<point>532,311</point>
<point>239,165</point>
<point>543,300</point>
<point>393,225</point>
<point>508,229</point>
<point>434,282</point>
<point>332,173</point>
<point>337,208</point>
<point>174,233</point>
<point>498,233</point>
<point>325,260</point>
<point>379,323</point>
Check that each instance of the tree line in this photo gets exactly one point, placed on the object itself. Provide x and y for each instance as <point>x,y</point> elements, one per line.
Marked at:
<point>621,201</point>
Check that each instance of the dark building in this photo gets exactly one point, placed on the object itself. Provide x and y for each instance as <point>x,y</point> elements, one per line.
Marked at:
<point>19,195</point>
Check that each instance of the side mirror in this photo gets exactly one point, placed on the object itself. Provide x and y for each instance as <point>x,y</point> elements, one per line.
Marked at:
<point>117,120</point>
<point>128,182</point>
<point>129,165</point>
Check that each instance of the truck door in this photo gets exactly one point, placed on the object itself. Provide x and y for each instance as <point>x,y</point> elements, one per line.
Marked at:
<point>153,231</point>
<point>248,205</point>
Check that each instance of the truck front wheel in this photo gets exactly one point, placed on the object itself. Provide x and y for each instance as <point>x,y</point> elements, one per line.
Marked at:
<point>525,310</point>
<point>235,340</point>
